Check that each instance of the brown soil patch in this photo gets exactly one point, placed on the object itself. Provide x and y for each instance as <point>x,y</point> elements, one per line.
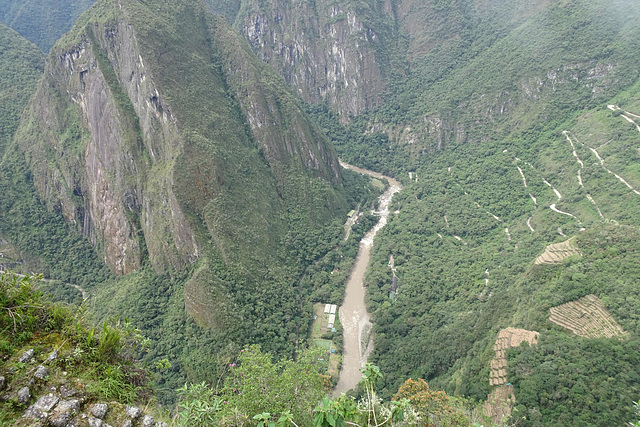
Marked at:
<point>555,253</point>
<point>500,402</point>
<point>586,317</point>
<point>507,338</point>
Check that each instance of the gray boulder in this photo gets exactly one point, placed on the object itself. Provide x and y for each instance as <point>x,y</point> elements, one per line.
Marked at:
<point>53,356</point>
<point>99,410</point>
<point>40,409</point>
<point>26,356</point>
<point>23,395</point>
<point>133,412</point>
<point>66,392</point>
<point>41,372</point>
<point>63,413</point>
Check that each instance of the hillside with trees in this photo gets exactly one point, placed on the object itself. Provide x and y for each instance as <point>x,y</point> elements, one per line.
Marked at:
<point>182,168</point>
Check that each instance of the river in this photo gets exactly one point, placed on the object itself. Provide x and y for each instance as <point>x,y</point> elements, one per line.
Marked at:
<point>354,317</point>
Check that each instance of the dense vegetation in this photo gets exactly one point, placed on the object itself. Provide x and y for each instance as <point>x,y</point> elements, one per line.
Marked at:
<point>597,376</point>
<point>483,106</point>
<point>270,231</point>
<point>42,21</point>
<point>493,110</point>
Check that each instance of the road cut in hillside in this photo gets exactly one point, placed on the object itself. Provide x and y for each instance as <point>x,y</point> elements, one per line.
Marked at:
<point>354,317</point>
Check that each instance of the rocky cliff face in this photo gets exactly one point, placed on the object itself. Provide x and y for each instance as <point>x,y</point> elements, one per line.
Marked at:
<point>137,135</point>
<point>329,52</point>
<point>94,155</point>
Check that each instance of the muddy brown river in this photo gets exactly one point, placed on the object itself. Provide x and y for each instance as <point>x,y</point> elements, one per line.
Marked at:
<point>354,317</point>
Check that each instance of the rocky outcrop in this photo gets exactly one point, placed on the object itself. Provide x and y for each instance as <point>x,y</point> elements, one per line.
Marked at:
<point>89,160</point>
<point>59,399</point>
<point>329,52</point>
<point>138,135</point>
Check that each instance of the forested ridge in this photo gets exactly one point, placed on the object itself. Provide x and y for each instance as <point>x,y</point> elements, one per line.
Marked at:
<point>512,126</point>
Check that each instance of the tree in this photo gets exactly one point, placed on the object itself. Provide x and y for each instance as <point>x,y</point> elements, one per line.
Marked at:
<point>255,385</point>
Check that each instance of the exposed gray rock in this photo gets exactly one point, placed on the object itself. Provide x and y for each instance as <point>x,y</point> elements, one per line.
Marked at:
<point>41,372</point>
<point>133,411</point>
<point>60,419</point>
<point>3,383</point>
<point>63,413</point>
<point>24,395</point>
<point>127,423</point>
<point>41,408</point>
<point>66,392</point>
<point>159,424</point>
<point>26,356</point>
<point>53,356</point>
<point>98,410</point>
<point>95,422</point>
<point>35,413</point>
<point>148,421</point>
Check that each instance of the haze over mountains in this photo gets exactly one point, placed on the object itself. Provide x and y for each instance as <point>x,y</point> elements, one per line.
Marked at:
<point>182,167</point>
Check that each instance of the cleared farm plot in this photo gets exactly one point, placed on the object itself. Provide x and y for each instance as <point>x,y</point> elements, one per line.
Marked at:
<point>587,318</point>
<point>501,400</point>
<point>500,403</point>
<point>507,338</point>
<point>555,253</point>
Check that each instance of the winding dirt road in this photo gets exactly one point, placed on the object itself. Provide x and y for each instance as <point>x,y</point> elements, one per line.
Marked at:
<point>353,311</point>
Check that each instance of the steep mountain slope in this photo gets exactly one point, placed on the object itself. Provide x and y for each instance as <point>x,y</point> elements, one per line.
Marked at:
<point>42,21</point>
<point>516,128</point>
<point>21,65</point>
<point>481,71</point>
<point>127,119</point>
<point>31,238</point>
<point>190,168</point>
<point>341,54</point>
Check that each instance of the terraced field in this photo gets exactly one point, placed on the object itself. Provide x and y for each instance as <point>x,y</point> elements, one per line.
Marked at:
<point>501,400</point>
<point>587,318</point>
<point>507,338</point>
<point>500,403</point>
<point>555,253</point>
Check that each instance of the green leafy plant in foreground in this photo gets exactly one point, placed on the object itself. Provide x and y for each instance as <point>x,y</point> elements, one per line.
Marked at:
<point>636,423</point>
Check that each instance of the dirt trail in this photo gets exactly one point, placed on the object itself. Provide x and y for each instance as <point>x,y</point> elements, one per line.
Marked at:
<point>353,311</point>
<point>559,196</point>
<point>595,152</point>
<point>626,115</point>
<point>581,163</point>
<point>82,291</point>
<point>601,160</point>
<point>535,201</point>
<point>555,190</point>
<point>497,218</point>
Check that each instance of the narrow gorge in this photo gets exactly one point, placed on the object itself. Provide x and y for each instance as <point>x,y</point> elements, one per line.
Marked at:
<point>354,317</point>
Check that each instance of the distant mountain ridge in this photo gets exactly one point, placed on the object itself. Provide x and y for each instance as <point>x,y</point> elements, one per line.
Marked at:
<point>42,21</point>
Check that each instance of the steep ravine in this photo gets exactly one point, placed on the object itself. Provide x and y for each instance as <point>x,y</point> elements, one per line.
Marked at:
<point>354,316</point>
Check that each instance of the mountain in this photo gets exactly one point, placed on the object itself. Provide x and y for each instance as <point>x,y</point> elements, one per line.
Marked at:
<point>513,126</point>
<point>21,65</point>
<point>189,167</point>
<point>42,21</point>
<point>338,54</point>
<point>171,169</point>
<point>516,129</point>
